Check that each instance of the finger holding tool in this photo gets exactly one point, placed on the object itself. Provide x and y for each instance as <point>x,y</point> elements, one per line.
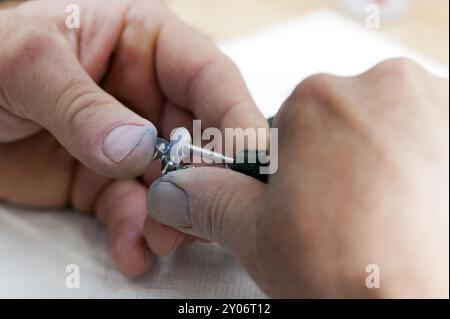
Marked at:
<point>173,153</point>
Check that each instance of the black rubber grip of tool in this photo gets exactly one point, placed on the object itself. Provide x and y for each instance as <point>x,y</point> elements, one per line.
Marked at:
<point>249,162</point>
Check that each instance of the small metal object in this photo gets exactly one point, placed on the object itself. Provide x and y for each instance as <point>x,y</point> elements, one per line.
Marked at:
<point>214,156</point>
<point>162,153</point>
<point>171,154</point>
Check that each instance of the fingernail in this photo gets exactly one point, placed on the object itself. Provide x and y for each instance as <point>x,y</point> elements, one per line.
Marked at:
<point>125,139</point>
<point>168,204</point>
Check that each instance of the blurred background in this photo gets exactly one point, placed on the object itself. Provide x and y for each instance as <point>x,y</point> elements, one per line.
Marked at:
<point>419,24</point>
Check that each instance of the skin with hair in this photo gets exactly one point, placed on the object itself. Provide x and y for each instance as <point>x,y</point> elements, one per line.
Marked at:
<point>363,179</point>
<point>80,108</point>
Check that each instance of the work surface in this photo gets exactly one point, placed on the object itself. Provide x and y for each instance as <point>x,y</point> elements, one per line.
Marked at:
<point>36,247</point>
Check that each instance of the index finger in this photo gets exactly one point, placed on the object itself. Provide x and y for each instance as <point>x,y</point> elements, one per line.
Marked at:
<point>197,77</point>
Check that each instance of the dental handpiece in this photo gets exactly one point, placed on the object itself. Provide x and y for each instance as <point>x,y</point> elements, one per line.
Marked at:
<point>171,154</point>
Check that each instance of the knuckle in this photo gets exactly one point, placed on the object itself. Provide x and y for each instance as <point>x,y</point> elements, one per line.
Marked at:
<point>400,76</point>
<point>310,93</point>
<point>77,103</point>
<point>206,68</point>
<point>317,88</point>
<point>312,86</point>
<point>32,42</point>
<point>36,44</point>
<point>31,45</point>
<point>400,68</point>
<point>214,218</point>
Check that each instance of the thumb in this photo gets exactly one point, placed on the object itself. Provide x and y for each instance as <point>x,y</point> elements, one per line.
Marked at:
<point>211,203</point>
<point>47,84</point>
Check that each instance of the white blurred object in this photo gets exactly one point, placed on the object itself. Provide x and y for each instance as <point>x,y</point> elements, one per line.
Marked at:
<point>389,9</point>
<point>180,148</point>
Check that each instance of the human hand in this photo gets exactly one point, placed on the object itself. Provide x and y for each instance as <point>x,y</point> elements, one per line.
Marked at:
<point>64,132</point>
<point>362,179</point>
